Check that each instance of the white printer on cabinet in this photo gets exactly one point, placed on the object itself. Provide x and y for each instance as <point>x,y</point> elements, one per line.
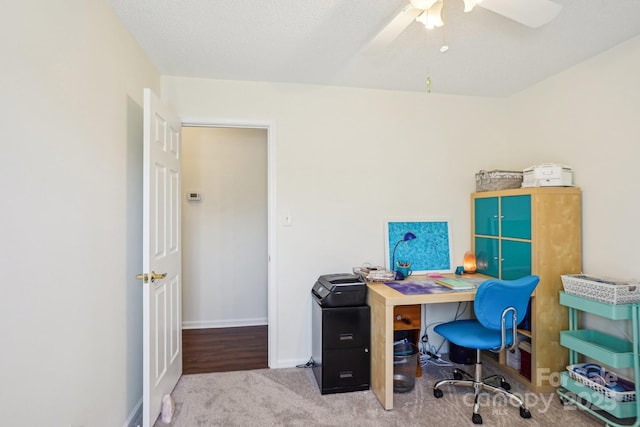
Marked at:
<point>548,175</point>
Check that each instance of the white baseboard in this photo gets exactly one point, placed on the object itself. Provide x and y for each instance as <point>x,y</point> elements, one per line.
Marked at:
<point>135,418</point>
<point>233,323</point>
<point>291,363</point>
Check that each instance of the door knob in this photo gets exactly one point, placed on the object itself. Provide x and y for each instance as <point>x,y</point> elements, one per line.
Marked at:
<point>157,276</point>
<point>154,276</point>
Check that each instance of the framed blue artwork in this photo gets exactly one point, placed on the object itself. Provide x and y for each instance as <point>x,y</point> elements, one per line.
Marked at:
<point>429,252</point>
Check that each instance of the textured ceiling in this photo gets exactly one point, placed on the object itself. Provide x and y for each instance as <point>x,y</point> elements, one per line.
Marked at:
<point>325,42</point>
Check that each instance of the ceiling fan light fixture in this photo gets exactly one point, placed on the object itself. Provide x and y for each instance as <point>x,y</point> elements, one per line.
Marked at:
<point>470,4</point>
<point>423,4</point>
<point>432,17</point>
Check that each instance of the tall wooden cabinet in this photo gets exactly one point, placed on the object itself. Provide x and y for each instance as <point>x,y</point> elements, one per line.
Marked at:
<point>532,231</point>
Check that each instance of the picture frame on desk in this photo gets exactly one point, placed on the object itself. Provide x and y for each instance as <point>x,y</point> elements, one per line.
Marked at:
<point>430,252</point>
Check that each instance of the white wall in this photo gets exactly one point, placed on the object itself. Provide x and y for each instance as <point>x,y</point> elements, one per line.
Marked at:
<point>224,239</point>
<point>346,160</point>
<point>589,117</point>
<point>70,313</point>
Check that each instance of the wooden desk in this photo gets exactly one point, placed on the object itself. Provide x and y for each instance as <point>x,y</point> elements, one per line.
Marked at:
<point>381,298</point>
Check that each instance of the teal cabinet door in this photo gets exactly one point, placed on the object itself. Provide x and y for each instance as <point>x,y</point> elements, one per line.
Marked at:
<point>487,259</point>
<point>516,216</point>
<point>486,216</point>
<point>516,259</point>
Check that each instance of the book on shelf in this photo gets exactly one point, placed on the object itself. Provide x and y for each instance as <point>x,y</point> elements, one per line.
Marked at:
<point>457,284</point>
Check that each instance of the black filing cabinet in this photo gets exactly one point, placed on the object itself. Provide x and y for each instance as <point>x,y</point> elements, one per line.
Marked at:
<point>340,348</point>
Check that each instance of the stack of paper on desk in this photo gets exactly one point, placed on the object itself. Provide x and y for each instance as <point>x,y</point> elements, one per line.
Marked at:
<point>457,284</point>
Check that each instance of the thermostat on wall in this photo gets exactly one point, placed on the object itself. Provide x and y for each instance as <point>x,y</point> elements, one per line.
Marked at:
<point>193,197</point>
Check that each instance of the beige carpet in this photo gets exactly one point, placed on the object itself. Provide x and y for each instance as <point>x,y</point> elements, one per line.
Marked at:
<point>290,397</point>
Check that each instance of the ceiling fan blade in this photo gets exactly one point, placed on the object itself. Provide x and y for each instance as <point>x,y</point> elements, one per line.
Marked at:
<point>392,30</point>
<point>532,13</point>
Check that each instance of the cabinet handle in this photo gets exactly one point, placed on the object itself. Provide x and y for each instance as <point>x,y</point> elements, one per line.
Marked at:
<point>403,319</point>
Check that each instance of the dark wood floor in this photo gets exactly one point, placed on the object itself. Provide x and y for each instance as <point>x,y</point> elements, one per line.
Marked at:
<point>224,349</point>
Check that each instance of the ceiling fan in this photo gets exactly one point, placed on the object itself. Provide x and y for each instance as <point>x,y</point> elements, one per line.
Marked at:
<point>532,13</point>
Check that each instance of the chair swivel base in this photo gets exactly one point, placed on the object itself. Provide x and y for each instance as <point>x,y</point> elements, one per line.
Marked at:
<point>478,384</point>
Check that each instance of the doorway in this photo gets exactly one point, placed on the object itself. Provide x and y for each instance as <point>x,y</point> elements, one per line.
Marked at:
<point>227,230</point>
<point>224,349</point>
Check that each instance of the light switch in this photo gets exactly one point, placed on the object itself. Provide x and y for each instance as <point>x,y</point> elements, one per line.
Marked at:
<point>288,220</point>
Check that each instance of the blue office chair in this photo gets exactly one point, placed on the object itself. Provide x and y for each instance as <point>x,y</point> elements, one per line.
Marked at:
<point>499,305</point>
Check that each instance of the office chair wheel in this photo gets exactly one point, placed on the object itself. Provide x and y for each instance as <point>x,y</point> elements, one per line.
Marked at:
<point>564,401</point>
<point>524,413</point>
<point>505,385</point>
<point>476,418</point>
<point>437,393</point>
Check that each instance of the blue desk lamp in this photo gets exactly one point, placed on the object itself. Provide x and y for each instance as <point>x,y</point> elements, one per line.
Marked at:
<point>407,236</point>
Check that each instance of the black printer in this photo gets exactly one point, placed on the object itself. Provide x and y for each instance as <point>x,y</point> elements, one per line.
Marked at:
<point>340,290</point>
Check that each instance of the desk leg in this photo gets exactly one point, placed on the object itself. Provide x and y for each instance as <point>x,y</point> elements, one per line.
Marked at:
<point>382,351</point>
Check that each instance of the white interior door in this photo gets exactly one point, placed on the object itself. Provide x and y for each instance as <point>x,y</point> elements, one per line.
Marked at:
<point>162,317</point>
